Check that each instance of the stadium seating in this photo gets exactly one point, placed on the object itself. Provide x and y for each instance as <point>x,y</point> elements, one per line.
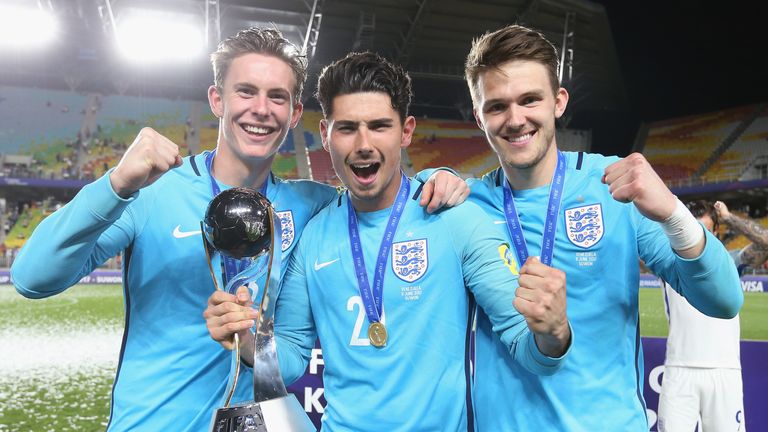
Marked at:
<point>310,122</point>
<point>677,148</point>
<point>22,229</point>
<point>322,168</point>
<point>459,145</point>
<point>752,144</point>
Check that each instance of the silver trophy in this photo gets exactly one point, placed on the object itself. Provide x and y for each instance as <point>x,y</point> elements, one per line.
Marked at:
<point>241,225</point>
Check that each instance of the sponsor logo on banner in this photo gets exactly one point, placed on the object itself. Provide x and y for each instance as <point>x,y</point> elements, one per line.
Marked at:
<point>410,259</point>
<point>584,225</point>
<point>287,227</point>
<point>752,285</point>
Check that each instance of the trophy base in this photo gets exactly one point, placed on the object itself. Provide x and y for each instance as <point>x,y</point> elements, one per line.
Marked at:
<point>283,414</point>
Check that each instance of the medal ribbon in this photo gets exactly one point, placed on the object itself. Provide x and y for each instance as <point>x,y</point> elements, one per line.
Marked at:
<point>231,266</point>
<point>372,301</point>
<point>550,223</point>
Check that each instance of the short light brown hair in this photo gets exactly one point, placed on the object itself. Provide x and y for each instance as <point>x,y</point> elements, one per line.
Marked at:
<point>510,43</point>
<point>259,41</point>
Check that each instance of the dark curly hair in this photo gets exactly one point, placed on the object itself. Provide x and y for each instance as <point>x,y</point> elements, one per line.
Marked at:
<point>700,208</point>
<point>364,72</point>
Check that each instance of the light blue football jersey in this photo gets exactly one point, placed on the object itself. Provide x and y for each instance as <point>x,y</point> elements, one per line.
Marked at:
<point>598,245</point>
<point>171,375</point>
<point>420,380</point>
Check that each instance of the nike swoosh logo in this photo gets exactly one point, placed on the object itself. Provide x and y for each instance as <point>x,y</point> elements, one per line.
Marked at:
<point>499,222</point>
<point>325,264</point>
<point>178,233</point>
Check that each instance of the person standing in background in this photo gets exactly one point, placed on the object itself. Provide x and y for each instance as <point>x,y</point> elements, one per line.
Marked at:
<point>702,380</point>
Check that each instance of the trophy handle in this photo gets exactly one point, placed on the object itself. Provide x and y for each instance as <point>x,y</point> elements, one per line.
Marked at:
<point>208,251</point>
<point>234,365</point>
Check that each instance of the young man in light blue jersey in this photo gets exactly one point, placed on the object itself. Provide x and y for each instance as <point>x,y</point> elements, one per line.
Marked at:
<point>387,286</point>
<point>171,375</point>
<point>592,217</point>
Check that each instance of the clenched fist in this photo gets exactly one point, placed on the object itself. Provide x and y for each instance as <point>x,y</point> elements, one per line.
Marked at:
<point>540,298</point>
<point>632,179</point>
<point>149,156</point>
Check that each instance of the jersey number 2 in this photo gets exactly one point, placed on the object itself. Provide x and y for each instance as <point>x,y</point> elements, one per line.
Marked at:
<point>356,340</point>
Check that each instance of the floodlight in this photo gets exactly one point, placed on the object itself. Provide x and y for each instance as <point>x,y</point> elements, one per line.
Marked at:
<point>26,26</point>
<point>154,37</point>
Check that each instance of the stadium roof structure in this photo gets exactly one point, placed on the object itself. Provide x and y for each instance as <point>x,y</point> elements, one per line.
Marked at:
<point>430,38</point>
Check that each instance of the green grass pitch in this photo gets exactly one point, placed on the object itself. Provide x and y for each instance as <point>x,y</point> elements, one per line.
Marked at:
<point>753,315</point>
<point>59,358</point>
<point>60,354</point>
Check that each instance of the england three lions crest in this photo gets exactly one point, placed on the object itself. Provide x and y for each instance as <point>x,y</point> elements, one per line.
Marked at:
<point>410,259</point>
<point>584,225</point>
<point>287,229</point>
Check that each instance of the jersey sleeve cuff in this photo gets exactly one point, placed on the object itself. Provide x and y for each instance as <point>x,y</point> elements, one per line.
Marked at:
<point>543,364</point>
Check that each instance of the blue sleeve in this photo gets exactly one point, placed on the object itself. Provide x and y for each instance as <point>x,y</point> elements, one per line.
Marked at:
<point>317,195</point>
<point>710,282</point>
<point>491,272</point>
<point>73,241</point>
<point>295,332</point>
<point>425,174</point>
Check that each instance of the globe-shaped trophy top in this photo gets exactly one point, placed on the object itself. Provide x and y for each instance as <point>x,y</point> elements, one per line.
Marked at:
<point>237,223</point>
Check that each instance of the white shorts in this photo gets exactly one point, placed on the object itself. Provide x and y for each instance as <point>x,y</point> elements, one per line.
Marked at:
<point>714,396</point>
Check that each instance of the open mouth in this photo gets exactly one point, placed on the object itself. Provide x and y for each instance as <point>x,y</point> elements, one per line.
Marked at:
<point>365,171</point>
<point>258,130</point>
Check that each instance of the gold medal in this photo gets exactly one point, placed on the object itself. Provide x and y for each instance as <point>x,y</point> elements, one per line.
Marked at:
<point>377,334</point>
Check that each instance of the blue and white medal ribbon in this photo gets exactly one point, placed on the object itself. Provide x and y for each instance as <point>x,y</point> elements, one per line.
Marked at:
<point>373,298</point>
<point>550,223</point>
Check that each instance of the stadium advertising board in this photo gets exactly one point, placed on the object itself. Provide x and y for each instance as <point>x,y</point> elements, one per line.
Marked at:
<point>752,370</point>
<point>749,283</point>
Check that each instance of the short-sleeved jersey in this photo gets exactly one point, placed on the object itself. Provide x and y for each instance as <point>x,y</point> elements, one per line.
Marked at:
<point>419,380</point>
<point>689,343</point>
<point>599,243</point>
<point>171,374</point>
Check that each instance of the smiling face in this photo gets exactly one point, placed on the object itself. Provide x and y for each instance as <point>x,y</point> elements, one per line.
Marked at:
<point>516,108</point>
<point>256,107</point>
<point>364,135</point>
